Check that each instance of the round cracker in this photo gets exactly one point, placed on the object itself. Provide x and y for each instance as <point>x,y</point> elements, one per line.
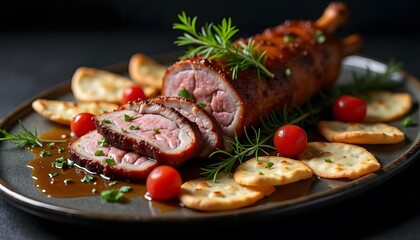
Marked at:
<point>385,106</point>
<point>360,133</point>
<point>339,160</point>
<point>223,194</point>
<point>271,170</point>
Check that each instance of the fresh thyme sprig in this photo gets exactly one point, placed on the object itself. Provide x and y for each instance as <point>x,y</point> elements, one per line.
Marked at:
<point>25,137</point>
<point>251,144</point>
<point>214,41</point>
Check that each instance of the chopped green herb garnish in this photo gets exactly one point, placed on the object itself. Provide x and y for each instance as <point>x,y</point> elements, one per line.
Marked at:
<point>156,130</point>
<point>202,105</point>
<point>60,163</point>
<point>260,173</point>
<point>319,36</point>
<point>184,93</point>
<point>68,180</point>
<point>112,183</point>
<point>45,153</point>
<point>407,122</point>
<point>105,121</point>
<point>288,39</point>
<point>51,145</point>
<point>103,142</point>
<point>328,160</point>
<point>60,149</point>
<point>52,174</point>
<point>124,130</point>
<point>287,72</point>
<point>128,118</point>
<point>110,161</point>
<point>125,189</point>
<point>112,195</point>
<point>132,127</point>
<point>99,153</point>
<point>87,179</point>
<point>269,165</point>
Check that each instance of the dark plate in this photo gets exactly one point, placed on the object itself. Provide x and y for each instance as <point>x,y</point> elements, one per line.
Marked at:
<point>17,184</point>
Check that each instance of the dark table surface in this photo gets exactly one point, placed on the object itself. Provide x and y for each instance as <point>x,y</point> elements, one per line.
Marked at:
<point>32,62</point>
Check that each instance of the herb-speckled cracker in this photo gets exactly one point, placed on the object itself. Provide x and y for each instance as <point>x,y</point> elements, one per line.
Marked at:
<point>385,106</point>
<point>339,160</point>
<point>271,170</point>
<point>224,194</point>
<point>360,133</point>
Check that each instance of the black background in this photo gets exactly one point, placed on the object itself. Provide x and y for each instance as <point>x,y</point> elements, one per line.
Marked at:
<point>43,42</point>
<point>369,17</point>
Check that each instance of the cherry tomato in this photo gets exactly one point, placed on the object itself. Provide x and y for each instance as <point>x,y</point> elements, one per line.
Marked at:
<point>163,182</point>
<point>348,108</point>
<point>290,140</point>
<point>132,93</point>
<point>82,123</point>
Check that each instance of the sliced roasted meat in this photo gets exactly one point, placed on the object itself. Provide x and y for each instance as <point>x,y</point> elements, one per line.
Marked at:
<point>151,129</point>
<point>209,128</point>
<point>304,57</point>
<point>93,153</point>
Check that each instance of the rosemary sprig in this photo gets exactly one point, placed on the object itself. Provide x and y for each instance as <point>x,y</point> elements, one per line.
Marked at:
<point>214,41</point>
<point>24,137</point>
<point>258,141</point>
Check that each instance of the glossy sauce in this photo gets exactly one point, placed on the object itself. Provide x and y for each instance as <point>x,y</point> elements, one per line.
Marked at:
<point>57,187</point>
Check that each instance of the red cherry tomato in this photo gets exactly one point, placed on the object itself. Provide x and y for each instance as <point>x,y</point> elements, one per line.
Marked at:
<point>348,108</point>
<point>290,140</point>
<point>132,93</point>
<point>163,183</point>
<point>82,123</point>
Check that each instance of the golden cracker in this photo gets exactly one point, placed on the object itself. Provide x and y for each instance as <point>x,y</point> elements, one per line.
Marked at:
<point>360,133</point>
<point>271,170</point>
<point>91,84</point>
<point>146,71</point>
<point>339,160</point>
<point>385,106</point>
<point>223,194</point>
<point>63,111</point>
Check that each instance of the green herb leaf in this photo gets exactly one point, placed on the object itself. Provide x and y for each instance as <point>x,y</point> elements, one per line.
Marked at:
<point>407,122</point>
<point>45,153</point>
<point>125,189</point>
<point>132,127</point>
<point>53,174</point>
<point>24,137</point>
<point>214,41</point>
<point>110,161</point>
<point>328,160</point>
<point>87,179</point>
<point>202,105</point>
<point>99,153</point>
<point>184,93</point>
<point>112,195</point>
<point>102,143</point>
<point>128,118</point>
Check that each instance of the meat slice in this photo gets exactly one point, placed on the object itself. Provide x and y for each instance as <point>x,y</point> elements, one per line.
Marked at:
<point>209,128</point>
<point>151,129</point>
<point>93,154</point>
<point>304,57</point>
